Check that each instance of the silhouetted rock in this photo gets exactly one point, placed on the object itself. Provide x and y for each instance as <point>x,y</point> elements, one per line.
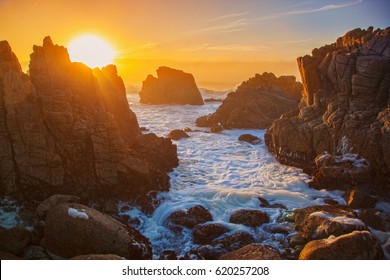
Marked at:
<point>343,112</point>
<point>74,229</point>
<point>357,245</point>
<point>177,134</point>
<point>250,218</point>
<point>254,140</point>
<point>322,221</point>
<point>256,103</point>
<point>188,218</point>
<point>170,87</point>
<point>253,252</point>
<point>204,234</point>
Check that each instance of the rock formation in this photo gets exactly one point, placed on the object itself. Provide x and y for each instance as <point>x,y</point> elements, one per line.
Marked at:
<point>256,103</point>
<point>344,114</point>
<point>68,129</point>
<point>170,87</point>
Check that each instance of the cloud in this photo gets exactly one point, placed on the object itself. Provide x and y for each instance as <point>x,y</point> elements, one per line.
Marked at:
<point>309,11</point>
<point>227,16</point>
<point>146,46</point>
<point>229,47</point>
<point>225,27</point>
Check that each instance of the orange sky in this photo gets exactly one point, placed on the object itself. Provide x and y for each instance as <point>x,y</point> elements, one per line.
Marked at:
<point>221,42</point>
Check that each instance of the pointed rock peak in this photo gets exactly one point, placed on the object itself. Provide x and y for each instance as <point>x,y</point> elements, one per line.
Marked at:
<point>47,41</point>
<point>5,49</point>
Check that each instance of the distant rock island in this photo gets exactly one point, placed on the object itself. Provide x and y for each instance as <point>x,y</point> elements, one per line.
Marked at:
<point>256,103</point>
<point>170,87</point>
<point>68,129</point>
<point>341,133</point>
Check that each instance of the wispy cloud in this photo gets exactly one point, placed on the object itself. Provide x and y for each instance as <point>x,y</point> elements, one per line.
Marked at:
<point>227,16</point>
<point>224,27</point>
<point>146,46</point>
<point>309,11</point>
<point>228,47</point>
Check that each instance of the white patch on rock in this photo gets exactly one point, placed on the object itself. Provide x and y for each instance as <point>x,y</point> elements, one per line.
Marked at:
<point>338,219</point>
<point>77,214</point>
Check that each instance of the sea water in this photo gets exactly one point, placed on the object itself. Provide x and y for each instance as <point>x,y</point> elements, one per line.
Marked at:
<point>222,174</point>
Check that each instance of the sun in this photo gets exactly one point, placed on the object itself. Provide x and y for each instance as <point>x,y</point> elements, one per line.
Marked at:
<point>91,50</point>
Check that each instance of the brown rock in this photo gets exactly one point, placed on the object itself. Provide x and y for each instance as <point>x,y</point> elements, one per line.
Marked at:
<point>250,218</point>
<point>204,234</point>
<point>375,219</point>
<point>234,241</point>
<point>357,245</point>
<point>318,222</point>
<point>45,206</point>
<point>250,139</point>
<point>14,240</point>
<point>8,256</point>
<point>256,103</point>
<point>216,128</point>
<point>177,134</point>
<point>168,255</point>
<point>358,199</point>
<point>98,257</point>
<point>188,218</point>
<point>170,87</point>
<point>35,253</point>
<point>253,252</point>
<point>74,229</point>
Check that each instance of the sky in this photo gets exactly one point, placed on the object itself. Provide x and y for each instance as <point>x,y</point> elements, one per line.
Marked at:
<point>221,42</point>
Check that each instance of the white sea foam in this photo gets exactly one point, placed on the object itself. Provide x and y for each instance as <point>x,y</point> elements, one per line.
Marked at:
<point>77,214</point>
<point>222,174</point>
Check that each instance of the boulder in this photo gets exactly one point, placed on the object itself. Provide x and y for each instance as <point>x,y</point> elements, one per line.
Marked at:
<point>215,128</point>
<point>254,140</point>
<point>177,134</point>
<point>253,252</point>
<point>322,221</point>
<point>34,252</point>
<point>359,199</point>
<point>233,241</point>
<point>74,229</point>
<point>357,245</point>
<point>8,256</point>
<point>14,240</point>
<point>170,87</point>
<point>45,206</point>
<point>343,112</point>
<point>204,234</point>
<point>250,218</point>
<point>188,218</point>
<point>168,255</point>
<point>98,257</point>
<point>376,219</point>
<point>256,103</point>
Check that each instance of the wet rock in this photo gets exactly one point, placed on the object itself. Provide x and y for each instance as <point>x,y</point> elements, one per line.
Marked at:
<point>168,255</point>
<point>250,218</point>
<point>375,219</point>
<point>35,253</point>
<point>213,100</point>
<point>263,202</point>
<point>188,218</point>
<point>256,103</point>
<point>110,207</point>
<point>170,87</point>
<point>331,201</point>
<point>359,199</point>
<point>253,252</point>
<point>233,241</point>
<point>74,229</point>
<point>8,256</point>
<point>295,240</point>
<point>45,206</point>
<point>322,221</point>
<point>177,134</point>
<point>98,257</point>
<point>208,252</point>
<point>27,217</point>
<point>204,234</point>
<point>254,140</point>
<point>216,128</point>
<point>357,245</point>
<point>14,240</point>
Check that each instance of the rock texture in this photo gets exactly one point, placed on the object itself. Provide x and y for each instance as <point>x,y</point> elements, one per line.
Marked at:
<point>253,252</point>
<point>344,112</point>
<point>73,229</point>
<point>188,218</point>
<point>68,129</point>
<point>170,87</point>
<point>256,103</point>
<point>250,218</point>
<point>205,234</point>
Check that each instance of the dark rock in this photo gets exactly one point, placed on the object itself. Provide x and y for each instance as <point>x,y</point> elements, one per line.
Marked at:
<point>98,257</point>
<point>343,112</point>
<point>256,103</point>
<point>177,134</point>
<point>110,207</point>
<point>375,219</point>
<point>74,229</point>
<point>45,206</point>
<point>359,199</point>
<point>143,129</point>
<point>234,241</point>
<point>250,218</point>
<point>263,202</point>
<point>250,139</point>
<point>208,252</point>
<point>14,240</point>
<point>27,217</point>
<point>253,252</point>
<point>296,239</point>
<point>8,256</point>
<point>216,128</point>
<point>213,100</point>
<point>188,218</point>
<point>330,201</point>
<point>204,234</point>
<point>35,253</point>
<point>322,221</point>
<point>168,255</point>
<point>170,87</point>
<point>357,245</point>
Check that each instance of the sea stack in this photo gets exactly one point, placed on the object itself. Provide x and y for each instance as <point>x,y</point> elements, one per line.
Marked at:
<point>170,87</point>
<point>342,128</point>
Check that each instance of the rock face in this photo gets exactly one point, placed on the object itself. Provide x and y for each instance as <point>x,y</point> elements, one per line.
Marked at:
<point>358,245</point>
<point>170,87</point>
<point>73,229</point>
<point>68,129</point>
<point>256,103</point>
<point>344,112</point>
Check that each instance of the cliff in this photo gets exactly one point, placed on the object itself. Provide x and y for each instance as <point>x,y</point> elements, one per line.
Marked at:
<point>68,129</point>
<point>342,130</point>
<point>256,103</point>
<point>170,87</point>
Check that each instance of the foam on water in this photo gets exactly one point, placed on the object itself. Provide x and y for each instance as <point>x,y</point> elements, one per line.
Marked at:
<point>222,174</point>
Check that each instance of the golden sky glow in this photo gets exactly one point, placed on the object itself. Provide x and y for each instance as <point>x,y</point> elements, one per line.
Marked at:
<point>221,42</point>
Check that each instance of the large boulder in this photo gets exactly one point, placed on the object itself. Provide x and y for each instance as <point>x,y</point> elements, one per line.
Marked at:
<point>318,222</point>
<point>204,234</point>
<point>170,87</point>
<point>357,245</point>
<point>74,229</point>
<point>188,218</point>
<point>14,240</point>
<point>343,112</point>
<point>256,103</point>
<point>250,218</point>
<point>253,252</point>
